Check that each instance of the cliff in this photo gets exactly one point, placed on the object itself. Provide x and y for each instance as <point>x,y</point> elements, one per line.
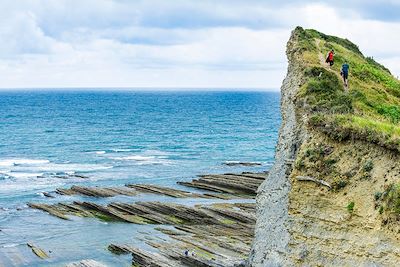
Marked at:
<point>332,197</point>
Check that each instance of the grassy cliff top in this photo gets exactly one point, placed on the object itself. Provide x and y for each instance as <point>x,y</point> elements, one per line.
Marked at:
<point>368,110</point>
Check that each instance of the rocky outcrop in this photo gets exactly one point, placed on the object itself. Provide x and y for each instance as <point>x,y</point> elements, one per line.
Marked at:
<point>214,235</point>
<point>96,191</point>
<point>230,183</point>
<point>271,240</point>
<point>86,263</point>
<point>240,163</point>
<point>38,251</point>
<point>321,204</point>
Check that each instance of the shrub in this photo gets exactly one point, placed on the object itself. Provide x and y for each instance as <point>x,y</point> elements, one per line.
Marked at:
<point>322,80</point>
<point>350,207</point>
<point>392,199</point>
<point>373,63</point>
<point>368,166</point>
<point>333,39</point>
<point>324,92</point>
<point>377,195</point>
<point>389,203</point>
<point>381,209</point>
<point>390,112</point>
<point>340,184</point>
<point>305,40</point>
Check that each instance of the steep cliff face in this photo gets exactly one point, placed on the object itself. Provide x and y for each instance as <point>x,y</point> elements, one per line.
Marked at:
<point>332,197</point>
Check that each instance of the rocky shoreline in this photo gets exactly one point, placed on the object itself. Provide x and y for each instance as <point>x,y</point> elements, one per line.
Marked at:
<point>218,233</point>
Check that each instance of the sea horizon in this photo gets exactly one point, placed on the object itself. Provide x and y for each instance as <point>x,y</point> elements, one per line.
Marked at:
<point>138,89</point>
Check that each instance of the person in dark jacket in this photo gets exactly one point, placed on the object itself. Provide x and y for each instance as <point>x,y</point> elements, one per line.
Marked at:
<point>345,73</point>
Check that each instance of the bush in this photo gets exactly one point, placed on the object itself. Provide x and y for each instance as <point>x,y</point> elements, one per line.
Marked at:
<point>305,39</point>
<point>390,112</point>
<point>350,207</point>
<point>322,80</point>
<point>377,195</point>
<point>324,92</point>
<point>392,199</point>
<point>340,184</point>
<point>375,64</point>
<point>333,39</point>
<point>368,166</point>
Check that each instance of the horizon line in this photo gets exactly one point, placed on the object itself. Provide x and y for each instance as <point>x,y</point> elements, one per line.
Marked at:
<point>142,88</point>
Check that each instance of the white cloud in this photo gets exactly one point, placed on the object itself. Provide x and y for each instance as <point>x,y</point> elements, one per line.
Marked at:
<point>375,38</point>
<point>105,43</point>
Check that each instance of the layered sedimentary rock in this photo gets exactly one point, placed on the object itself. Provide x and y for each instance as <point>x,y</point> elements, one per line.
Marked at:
<point>213,235</point>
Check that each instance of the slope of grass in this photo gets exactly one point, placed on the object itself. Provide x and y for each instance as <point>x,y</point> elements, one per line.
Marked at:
<point>348,126</point>
<point>368,110</point>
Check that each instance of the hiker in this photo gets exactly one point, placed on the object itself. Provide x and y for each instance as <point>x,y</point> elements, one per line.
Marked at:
<point>329,57</point>
<point>345,72</point>
<point>187,253</point>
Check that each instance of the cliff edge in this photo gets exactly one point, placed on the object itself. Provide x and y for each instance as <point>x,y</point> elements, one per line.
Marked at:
<point>332,197</point>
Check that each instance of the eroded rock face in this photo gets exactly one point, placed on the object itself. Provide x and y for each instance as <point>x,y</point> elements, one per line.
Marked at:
<point>270,245</point>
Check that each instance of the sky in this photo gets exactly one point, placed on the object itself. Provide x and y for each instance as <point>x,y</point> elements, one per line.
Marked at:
<point>231,44</point>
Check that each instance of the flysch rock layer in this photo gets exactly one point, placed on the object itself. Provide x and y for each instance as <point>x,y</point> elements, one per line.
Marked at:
<point>215,235</point>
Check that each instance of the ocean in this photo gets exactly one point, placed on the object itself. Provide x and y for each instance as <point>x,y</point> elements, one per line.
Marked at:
<point>51,139</point>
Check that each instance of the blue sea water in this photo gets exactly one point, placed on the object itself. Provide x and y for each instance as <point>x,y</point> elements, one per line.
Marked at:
<point>114,138</point>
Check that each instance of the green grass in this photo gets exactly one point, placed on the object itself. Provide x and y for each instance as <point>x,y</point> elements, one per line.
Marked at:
<point>370,110</point>
<point>347,126</point>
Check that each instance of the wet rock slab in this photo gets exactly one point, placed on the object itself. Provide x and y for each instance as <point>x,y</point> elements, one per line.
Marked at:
<point>131,190</point>
<point>86,263</point>
<point>218,234</point>
<point>38,251</point>
<point>236,184</point>
<point>97,191</point>
<point>240,163</point>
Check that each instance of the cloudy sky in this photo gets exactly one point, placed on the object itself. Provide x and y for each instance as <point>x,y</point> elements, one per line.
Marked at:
<point>177,44</point>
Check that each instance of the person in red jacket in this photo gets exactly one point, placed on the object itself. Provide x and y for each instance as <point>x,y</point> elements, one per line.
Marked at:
<point>329,58</point>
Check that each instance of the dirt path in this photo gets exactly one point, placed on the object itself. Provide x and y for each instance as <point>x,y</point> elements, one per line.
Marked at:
<point>323,64</point>
<point>320,56</point>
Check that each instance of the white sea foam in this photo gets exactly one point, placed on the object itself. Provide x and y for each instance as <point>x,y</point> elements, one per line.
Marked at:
<point>28,185</point>
<point>21,161</point>
<point>10,245</point>
<point>69,168</point>
<point>121,150</point>
<point>32,174</point>
<point>136,158</point>
<point>19,175</point>
<point>101,152</point>
<point>144,159</point>
<point>156,152</point>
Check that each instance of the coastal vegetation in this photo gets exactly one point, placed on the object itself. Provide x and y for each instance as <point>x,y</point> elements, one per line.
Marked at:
<point>368,110</point>
<point>335,183</point>
<point>388,205</point>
